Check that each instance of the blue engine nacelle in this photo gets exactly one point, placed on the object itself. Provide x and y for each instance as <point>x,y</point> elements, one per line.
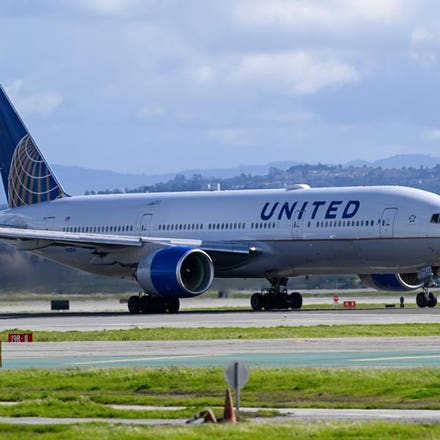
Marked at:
<point>393,282</point>
<point>176,272</point>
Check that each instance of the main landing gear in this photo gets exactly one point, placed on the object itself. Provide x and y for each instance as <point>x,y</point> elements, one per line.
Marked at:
<point>426,298</point>
<point>276,297</point>
<point>145,303</point>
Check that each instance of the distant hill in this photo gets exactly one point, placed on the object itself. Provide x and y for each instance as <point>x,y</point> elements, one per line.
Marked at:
<point>400,161</point>
<point>77,180</point>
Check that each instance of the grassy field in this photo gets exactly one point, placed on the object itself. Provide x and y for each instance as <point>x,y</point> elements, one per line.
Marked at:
<point>205,333</point>
<point>246,431</point>
<point>87,393</point>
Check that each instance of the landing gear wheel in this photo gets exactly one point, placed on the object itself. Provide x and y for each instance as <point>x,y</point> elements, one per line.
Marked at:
<point>146,304</point>
<point>134,304</point>
<point>295,300</point>
<point>257,301</point>
<point>267,301</point>
<point>173,305</point>
<point>158,305</point>
<point>432,299</point>
<point>422,299</point>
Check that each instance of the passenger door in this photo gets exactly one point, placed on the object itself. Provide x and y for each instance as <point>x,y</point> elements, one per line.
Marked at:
<point>297,225</point>
<point>145,225</point>
<point>387,222</point>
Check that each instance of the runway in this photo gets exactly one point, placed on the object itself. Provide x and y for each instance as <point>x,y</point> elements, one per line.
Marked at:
<point>314,352</point>
<point>62,321</point>
<point>331,352</point>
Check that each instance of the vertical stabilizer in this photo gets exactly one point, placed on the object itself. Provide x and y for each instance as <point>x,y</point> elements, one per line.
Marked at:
<point>27,178</point>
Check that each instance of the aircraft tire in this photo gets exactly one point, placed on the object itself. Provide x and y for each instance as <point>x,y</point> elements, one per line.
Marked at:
<point>158,305</point>
<point>295,300</point>
<point>145,302</point>
<point>267,301</point>
<point>134,304</point>
<point>257,301</point>
<point>173,305</point>
<point>432,299</point>
<point>422,299</point>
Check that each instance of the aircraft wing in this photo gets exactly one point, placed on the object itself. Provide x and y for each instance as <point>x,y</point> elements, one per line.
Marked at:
<point>33,239</point>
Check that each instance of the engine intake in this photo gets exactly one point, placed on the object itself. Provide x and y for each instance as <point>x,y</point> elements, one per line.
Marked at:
<point>176,272</point>
<point>393,282</point>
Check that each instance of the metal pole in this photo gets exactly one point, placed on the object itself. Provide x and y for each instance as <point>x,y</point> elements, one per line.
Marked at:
<point>237,388</point>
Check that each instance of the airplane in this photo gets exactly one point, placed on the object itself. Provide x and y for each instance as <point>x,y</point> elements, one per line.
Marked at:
<point>174,244</point>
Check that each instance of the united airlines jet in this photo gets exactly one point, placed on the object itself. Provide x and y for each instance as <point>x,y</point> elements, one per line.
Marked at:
<point>174,244</point>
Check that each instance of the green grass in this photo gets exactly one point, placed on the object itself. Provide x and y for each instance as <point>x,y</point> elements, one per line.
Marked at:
<point>86,393</point>
<point>205,333</point>
<point>245,431</point>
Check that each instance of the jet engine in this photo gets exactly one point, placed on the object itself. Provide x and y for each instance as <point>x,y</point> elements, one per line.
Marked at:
<point>176,272</point>
<point>393,282</point>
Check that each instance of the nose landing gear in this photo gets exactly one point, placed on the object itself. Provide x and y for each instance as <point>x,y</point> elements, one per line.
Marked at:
<point>426,298</point>
<point>276,297</point>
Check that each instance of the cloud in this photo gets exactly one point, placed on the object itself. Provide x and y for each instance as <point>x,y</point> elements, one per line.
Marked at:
<point>425,46</point>
<point>151,113</point>
<point>290,116</point>
<point>317,14</point>
<point>121,8</point>
<point>432,134</point>
<point>230,136</point>
<point>203,74</point>
<point>298,72</point>
<point>37,103</point>
<point>275,76</point>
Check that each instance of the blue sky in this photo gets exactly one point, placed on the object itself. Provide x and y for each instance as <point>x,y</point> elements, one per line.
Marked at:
<point>159,86</point>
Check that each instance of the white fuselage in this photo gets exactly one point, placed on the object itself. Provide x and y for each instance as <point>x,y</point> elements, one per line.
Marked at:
<point>303,231</point>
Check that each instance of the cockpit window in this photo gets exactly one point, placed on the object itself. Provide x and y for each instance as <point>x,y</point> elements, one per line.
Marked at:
<point>435,218</point>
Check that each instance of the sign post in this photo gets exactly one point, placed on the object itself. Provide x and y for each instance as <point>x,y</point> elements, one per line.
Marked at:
<point>236,375</point>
